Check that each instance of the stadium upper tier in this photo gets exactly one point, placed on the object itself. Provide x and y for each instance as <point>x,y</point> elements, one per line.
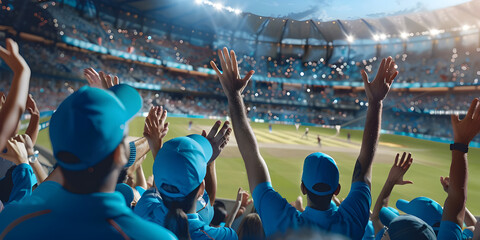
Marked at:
<point>446,59</point>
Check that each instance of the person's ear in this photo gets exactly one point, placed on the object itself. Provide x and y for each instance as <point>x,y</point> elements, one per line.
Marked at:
<point>338,190</point>
<point>201,189</point>
<point>303,188</point>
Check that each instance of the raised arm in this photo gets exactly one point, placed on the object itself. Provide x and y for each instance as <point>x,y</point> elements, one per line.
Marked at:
<point>233,85</point>
<point>463,131</point>
<point>376,91</point>
<point>469,219</point>
<point>14,105</point>
<point>33,127</point>
<point>218,141</point>
<point>395,177</point>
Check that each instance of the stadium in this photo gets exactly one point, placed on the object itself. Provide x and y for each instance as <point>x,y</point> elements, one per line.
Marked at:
<point>308,94</point>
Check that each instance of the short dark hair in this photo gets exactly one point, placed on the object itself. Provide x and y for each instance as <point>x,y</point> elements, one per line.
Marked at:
<point>90,178</point>
<point>318,200</point>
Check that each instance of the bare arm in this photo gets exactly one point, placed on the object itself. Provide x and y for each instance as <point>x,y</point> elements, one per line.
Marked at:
<point>399,168</point>
<point>218,141</point>
<point>141,149</point>
<point>233,85</point>
<point>140,178</point>
<point>14,105</point>
<point>376,91</point>
<point>231,215</point>
<point>470,219</point>
<point>464,131</point>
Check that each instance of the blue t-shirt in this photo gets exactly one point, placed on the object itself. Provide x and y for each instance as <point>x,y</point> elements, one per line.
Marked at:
<point>350,219</point>
<point>449,231</point>
<point>23,180</point>
<point>66,215</point>
<point>151,207</point>
<point>199,230</point>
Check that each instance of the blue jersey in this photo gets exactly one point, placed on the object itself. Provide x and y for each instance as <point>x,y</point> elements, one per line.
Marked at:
<point>449,230</point>
<point>65,215</point>
<point>199,230</point>
<point>151,207</point>
<point>349,219</point>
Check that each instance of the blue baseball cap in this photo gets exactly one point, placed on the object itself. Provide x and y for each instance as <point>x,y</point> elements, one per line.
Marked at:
<point>91,123</point>
<point>410,227</point>
<point>181,165</point>
<point>320,174</point>
<point>126,191</point>
<point>424,208</point>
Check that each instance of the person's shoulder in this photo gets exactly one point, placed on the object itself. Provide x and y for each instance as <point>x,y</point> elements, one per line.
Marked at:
<point>140,228</point>
<point>31,206</point>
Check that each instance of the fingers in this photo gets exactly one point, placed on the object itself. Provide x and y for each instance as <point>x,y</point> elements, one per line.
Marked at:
<point>214,66</point>
<point>222,133</point>
<point>248,76</point>
<point>233,57</point>
<point>396,160</point>
<point>163,116</point>
<point>454,118</point>
<point>476,114</point>
<point>116,81</point>
<point>222,61</point>
<point>214,130</point>
<point>471,109</point>
<point>402,159</point>
<point>364,77</point>
<point>12,46</point>
<point>228,62</point>
<point>381,68</point>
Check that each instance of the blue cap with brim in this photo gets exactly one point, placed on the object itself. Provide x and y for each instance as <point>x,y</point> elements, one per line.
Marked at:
<point>126,191</point>
<point>410,227</point>
<point>320,174</point>
<point>424,208</point>
<point>91,123</point>
<point>181,165</point>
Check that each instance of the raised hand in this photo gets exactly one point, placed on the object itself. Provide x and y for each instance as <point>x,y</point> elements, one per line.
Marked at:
<point>230,79</point>
<point>25,139</point>
<point>12,57</point>
<point>218,140</point>
<point>399,168</point>
<point>378,89</point>
<point>16,152</point>
<point>445,181</point>
<point>155,128</point>
<point>32,106</point>
<point>243,198</point>
<point>100,80</point>
<point>465,130</point>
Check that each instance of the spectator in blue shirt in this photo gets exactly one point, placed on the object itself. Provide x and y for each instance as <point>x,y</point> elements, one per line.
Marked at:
<point>320,179</point>
<point>454,208</point>
<point>87,133</point>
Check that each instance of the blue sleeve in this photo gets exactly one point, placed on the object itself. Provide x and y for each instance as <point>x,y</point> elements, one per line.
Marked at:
<point>221,233</point>
<point>22,177</point>
<point>449,231</point>
<point>356,208</point>
<point>276,213</point>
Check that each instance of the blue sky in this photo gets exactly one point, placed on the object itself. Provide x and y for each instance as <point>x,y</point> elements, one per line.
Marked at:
<point>326,10</point>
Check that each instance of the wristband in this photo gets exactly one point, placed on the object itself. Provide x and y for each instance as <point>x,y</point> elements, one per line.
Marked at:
<point>459,147</point>
<point>133,154</point>
<point>33,158</point>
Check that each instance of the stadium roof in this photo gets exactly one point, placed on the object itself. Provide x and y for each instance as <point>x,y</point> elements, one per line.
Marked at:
<point>188,14</point>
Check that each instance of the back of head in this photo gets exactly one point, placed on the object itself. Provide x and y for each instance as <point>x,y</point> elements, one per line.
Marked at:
<point>320,176</point>
<point>181,165</point>
<point>251,228</point>
<point>177,222</point>
<point>89,125</point>
<point>410,227</point>
<point>220,213</point>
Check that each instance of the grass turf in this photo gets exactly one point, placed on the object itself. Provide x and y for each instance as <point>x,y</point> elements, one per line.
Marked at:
<point>284,151</point>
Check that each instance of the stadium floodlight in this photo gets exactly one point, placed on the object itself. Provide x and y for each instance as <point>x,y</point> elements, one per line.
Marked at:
<point>404,35</point>
<point>434,32</point>
<point>198,2</point>
<point>350,38</point>
<point>465,27</point>
<point>237,11</point>
<point>383,36</point>
<point>376,37</point>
